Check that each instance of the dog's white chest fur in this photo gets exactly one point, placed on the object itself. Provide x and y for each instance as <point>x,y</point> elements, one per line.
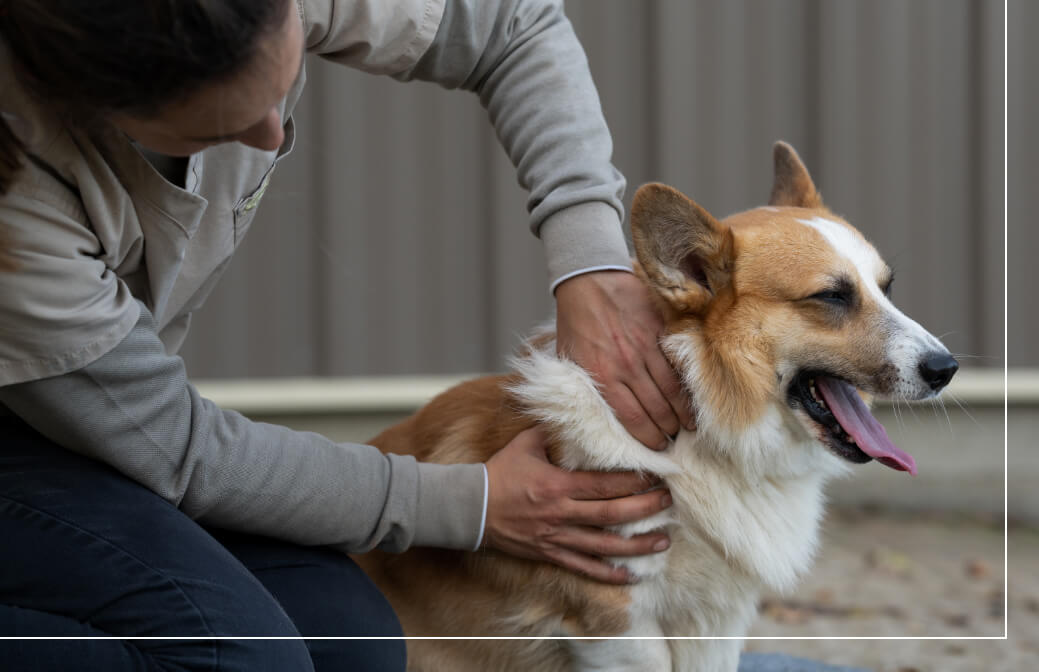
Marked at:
<point>734,530</point>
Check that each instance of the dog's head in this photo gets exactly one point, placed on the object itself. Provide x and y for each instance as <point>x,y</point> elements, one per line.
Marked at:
<point>784,309</point>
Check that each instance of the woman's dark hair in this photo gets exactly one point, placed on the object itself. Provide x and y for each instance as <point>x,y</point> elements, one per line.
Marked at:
<point>127,56</point>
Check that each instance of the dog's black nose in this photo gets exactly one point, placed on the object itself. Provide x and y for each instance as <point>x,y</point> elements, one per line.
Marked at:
<point>937,369</point>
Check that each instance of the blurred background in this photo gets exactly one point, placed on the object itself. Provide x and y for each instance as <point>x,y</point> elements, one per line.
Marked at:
<point>391,257</point>
<point>394,239</point>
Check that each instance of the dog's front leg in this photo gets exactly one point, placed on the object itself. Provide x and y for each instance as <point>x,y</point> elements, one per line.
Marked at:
<point>622,655</point>
<point>705,655</point>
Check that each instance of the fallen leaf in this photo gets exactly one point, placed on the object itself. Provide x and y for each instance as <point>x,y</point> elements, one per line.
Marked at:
<point>978,569</point>
<point>824,596</point>
<point>786,614</point>
<point>890,561</point>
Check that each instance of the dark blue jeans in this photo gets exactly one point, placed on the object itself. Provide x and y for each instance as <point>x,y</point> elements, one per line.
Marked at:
<point>87,552</point>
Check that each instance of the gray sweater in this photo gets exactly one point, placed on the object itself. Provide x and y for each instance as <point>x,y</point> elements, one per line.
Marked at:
<point>91,323</point>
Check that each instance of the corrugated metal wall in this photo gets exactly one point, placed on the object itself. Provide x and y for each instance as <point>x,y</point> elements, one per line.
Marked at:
<point>397,243</point>
<point>1022,172</point>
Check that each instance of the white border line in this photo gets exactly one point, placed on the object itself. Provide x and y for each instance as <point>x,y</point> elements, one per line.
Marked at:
<point>1006,331</point>
<point>247,638</point>
<point>1006,568</point>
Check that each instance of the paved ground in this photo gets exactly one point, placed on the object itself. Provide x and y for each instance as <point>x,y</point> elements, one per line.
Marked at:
<point>883,574</point>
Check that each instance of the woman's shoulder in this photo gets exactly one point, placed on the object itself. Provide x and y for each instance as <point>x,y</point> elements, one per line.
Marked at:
<point>377,36</point>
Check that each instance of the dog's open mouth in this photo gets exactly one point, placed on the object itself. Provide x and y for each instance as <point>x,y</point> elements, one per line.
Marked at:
<point>849,429</point>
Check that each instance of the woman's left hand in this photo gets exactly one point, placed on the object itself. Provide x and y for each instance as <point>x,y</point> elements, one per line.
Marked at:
<point>606,323</point>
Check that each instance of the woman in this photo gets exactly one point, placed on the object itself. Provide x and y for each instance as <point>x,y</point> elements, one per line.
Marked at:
<point>136,142</point>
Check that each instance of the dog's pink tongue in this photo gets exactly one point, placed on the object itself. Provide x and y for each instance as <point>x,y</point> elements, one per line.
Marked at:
<point>849,409</point>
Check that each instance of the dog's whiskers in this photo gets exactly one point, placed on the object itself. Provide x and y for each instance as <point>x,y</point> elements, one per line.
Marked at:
<point>895,402</point>
<point>912,410</point>
<point>962,408</point>
<point>939,403</point>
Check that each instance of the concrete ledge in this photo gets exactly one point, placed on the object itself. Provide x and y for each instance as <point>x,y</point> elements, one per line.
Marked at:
<point>405,393</point>
<point>327,395</point>
<point>958,445</point>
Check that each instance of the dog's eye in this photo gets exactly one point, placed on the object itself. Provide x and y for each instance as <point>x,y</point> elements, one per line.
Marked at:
<point>834,297</point>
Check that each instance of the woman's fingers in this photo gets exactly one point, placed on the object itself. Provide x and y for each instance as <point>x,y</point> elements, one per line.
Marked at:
<point>537,510</point>
<point>603,513</point>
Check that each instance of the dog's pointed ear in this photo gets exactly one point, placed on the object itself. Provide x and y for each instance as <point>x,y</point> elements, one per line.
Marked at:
<point>792,184</point>
<point>685,253</point>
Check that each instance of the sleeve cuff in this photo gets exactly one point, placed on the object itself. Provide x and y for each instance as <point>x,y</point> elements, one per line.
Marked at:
<point>483,516</point>
<point>582,271</point>
<point>583,238</point>
<point>452,504</point>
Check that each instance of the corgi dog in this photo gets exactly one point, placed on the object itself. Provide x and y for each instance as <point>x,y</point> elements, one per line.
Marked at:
<point>779,324</point>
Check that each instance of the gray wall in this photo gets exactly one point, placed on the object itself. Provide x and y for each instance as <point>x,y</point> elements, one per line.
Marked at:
<point>1022,177</point>
<point>398,243</point>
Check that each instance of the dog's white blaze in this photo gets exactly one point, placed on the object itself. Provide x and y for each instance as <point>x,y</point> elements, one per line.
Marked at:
<point>856,250</point>
<point>909,341</point>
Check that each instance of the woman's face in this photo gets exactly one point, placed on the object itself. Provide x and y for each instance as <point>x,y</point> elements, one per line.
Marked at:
<point>241,109</point>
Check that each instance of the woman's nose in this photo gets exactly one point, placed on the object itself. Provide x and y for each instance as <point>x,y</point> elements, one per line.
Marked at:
<point>267,134</point>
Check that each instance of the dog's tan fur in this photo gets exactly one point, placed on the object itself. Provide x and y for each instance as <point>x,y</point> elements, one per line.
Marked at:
<point>469,424</point>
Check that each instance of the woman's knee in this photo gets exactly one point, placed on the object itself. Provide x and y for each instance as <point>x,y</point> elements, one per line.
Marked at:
<point>100,555</point>
<point>326,594</point>
<point>361,655</point>
<point>88,571</point>
<point>350,605</point>
<point>87,544</point>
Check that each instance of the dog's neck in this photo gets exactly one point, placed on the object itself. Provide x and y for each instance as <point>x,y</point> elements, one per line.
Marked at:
<point>766,475</point>
<point>751,457</point>
<point>741,414</point>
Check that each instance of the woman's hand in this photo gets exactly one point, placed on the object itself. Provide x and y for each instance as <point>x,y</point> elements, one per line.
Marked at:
<point>606,323</point>
<point>539,511</point>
